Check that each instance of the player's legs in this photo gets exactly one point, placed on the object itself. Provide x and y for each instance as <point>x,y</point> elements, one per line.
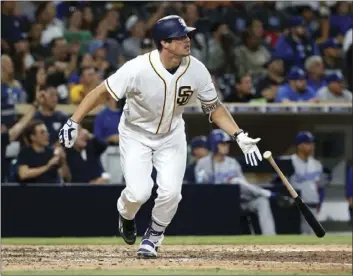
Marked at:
<point>136,164</point>
<point>169,160</point>
<point>170,163</point>
<point>261,206</point>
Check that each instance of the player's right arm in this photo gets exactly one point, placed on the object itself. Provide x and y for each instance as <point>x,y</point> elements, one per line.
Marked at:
<point>116,85</point>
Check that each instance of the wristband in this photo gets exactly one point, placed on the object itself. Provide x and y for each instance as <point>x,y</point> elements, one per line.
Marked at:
<point>235,135</point>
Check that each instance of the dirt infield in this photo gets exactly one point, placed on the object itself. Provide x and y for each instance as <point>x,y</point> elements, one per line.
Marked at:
<point>273,258</point>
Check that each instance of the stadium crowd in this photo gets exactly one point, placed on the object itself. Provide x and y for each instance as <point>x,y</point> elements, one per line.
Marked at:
<point>55,52</point>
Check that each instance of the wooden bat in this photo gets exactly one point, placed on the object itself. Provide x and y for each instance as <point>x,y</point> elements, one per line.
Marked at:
<point>303,208</point>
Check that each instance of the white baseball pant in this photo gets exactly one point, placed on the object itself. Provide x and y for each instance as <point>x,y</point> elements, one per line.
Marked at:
<point>140,151</point>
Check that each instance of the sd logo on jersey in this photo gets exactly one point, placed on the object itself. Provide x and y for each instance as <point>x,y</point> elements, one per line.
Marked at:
<point>184,95</point>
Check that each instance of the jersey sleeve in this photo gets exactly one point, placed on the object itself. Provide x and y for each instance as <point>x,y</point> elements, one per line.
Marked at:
<point>207,93</point>
<point>121,81</point>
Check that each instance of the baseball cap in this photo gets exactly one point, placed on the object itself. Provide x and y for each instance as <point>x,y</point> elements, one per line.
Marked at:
<point>296,21</point>
<point>304,137</point>
<point>199,142</point>
<point>131,22</point>
<point>296,73</point>
<point>272,59</point>
<point>330,43</point>
<point>334,77</point>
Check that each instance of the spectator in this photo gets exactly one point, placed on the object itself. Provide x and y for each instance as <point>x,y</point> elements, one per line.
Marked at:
<point>37,163</point>
<point>331,54</point>
<point>252,56</point>
<point>111,21</point>
<point>52,27</point>
<point>103,66</point>
<point>11,91</point>
<point>216,55</point>
<point>244,90</point>
<point>107,121</point>
<point>311,22</point>
<point>341,20</point>
<point>22,58</point>
<point>74,32</point>
<point>86,60</point>
<point>308,175</point>
<point>84,159</point>
<point>38,51</point>
<point>132,45</point>
<point>314,65</point>
<point>87,19</point>
<point>53,119</point>
<point>146,46</point>
<point>334,91</point>
<point>198,150</point>
<point>296,47</point>
<point>268,86</point>
<point>11,24</point>
<point>89,81</point>
<point>11,134</point>
<point>297,89</point>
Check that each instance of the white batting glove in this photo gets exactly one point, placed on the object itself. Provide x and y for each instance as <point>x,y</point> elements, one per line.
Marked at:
<point>249,148</point>
<point>68,133</point>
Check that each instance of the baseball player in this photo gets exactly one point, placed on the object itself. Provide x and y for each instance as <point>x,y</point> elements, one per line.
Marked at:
<point>218,168</point>
<point>157,86</point>
<point>308,175</point>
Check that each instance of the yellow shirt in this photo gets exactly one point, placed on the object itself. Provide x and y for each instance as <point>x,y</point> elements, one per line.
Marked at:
<point>77,93</point>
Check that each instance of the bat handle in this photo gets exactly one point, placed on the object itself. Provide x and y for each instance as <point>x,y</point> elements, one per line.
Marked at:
<point>285,181</point>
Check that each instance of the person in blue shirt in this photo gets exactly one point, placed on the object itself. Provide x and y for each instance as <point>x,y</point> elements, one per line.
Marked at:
<point>107,121</point>
<point>296,90</point>
<point>198,149</point>
<point>295,47</point>
<point>314,65</point>
<point>52,118</point>
<point>331,54</point>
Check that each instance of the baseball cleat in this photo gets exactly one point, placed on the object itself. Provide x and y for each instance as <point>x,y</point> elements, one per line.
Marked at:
<point>127,229</point>
<point>147,250</point>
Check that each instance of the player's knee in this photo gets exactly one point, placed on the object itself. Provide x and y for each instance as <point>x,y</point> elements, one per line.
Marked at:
<point>140,195</point>
<point>172,195</point>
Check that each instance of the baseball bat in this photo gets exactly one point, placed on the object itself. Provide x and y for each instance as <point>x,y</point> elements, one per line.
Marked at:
<point>303,208</point>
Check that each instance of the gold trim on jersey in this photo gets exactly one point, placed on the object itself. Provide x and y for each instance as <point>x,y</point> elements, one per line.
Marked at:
<point>165,92</point>
<point>110,90</point>
<point>209,100</point>
<point>175,91</point>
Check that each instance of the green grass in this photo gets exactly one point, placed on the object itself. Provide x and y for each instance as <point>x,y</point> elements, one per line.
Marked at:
<point>180,240</point>
<point>163,272</point>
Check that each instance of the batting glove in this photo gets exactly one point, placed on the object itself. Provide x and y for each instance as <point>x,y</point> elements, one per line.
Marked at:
<point>249,147</point>
<point>68,133</point>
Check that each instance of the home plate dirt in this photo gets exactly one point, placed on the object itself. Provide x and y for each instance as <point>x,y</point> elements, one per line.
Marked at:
<point>304,258</point>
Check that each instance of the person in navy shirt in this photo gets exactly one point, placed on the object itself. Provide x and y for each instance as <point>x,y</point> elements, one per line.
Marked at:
<point>198,149</point>
<point>296,90</point>
<point>349,190</point>
<point>331,53</point>
<point>314,65</point>
<point>107,121</point>
<point>53,119</point>
<point>294,48</point>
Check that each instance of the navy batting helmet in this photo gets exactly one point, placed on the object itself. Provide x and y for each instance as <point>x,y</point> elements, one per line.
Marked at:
<point>216,137</point>
<point>171,26</point>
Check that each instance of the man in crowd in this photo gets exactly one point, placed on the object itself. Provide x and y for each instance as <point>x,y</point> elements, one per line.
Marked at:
<point>198,150</point>
<point>219,168</point>
<point>296,46</point>
<point>243,91</point>
<point>308,175</point>
<point>84,159</point>
<point>314,65</point>
<point>38,163</point>
<point>296,90</point>
<point>47,113</point>
<point>268,86</point>
<point>334,91</point>
<point>89,81</point>
<point>331,54</point>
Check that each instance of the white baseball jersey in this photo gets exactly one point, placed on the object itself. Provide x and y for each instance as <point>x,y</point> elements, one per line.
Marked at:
<point>155,98</point>
<point>307,178</point>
